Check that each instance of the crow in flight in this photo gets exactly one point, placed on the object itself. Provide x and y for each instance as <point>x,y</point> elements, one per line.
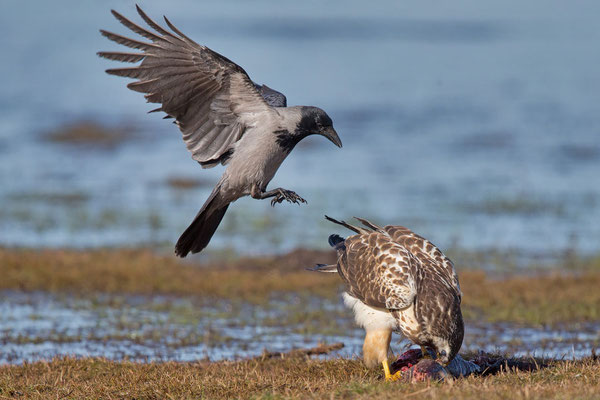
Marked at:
<point>225,118</point>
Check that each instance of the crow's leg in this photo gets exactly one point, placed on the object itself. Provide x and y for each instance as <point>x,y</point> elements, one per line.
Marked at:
<point>279,195</point>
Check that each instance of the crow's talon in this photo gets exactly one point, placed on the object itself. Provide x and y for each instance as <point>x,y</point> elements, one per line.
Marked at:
<point>288,195</point>
<point>276,200</point>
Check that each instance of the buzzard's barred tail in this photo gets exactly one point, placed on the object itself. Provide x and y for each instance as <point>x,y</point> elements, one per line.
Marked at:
<point>369,224</point>
<point>324,268</point>
<point>356,229</point>
<point>197,236</point>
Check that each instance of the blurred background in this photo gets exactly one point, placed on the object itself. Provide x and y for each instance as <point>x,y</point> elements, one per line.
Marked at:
<point>474,123</point>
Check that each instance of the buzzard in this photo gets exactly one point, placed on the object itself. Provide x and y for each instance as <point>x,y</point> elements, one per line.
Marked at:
<point>225,118</point>
<point>398,281</point>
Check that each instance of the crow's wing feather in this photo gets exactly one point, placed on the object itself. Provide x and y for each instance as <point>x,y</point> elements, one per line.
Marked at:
<point>211,98</point>
<point>272,96</point>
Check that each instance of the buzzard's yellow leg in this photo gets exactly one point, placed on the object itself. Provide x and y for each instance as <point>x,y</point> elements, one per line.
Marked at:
<point>376,351</point>
<point>386,370</point>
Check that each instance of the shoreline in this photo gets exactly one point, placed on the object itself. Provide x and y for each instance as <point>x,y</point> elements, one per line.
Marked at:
<point>546,296</point>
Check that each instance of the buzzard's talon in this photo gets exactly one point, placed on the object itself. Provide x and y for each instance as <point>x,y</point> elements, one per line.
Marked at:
<point>283,194</point>
<point>397,376</point>
<point>388,376</point>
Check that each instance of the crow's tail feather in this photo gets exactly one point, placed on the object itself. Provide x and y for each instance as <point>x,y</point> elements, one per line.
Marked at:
<point>197,236</point>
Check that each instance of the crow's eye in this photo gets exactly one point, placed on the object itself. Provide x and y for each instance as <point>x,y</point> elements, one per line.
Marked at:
<point>443,353</point>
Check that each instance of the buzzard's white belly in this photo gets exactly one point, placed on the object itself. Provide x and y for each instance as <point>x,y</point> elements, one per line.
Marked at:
<point>370,318</point>
<point>374,318</point>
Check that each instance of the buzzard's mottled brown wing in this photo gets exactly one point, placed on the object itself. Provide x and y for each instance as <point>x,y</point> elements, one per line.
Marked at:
<point>377,271</point>
<point>427,253</point>
<point>212,99</point>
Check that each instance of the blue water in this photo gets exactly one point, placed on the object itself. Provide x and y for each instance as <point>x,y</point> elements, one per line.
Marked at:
<point>37,326</point>
<point>475,124</point>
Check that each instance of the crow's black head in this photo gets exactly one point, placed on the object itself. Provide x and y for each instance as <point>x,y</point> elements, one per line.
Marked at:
<point>315,121</point>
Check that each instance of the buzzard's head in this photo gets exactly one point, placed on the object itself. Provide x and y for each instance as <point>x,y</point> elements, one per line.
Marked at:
<point>449,341</point>
<point>443,351</point>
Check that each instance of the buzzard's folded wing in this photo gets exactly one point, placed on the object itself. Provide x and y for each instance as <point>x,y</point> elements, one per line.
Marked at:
<point>378,271</point>
<point>426,252</point>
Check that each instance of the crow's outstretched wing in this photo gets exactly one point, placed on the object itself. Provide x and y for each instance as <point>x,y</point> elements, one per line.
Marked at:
<point>272,96</point>
<point>211,98</point>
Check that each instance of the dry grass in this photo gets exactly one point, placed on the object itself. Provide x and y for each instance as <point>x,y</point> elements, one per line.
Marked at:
<point>543,299</point>
<point>279,378</point>
<point>546,299</point>
<point>144,272</point>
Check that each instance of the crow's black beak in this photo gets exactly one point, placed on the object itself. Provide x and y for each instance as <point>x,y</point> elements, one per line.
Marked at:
<point>332,135</point>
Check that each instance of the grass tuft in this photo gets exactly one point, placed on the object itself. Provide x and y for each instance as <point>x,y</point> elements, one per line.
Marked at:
<point>140,271</point>
<point>289,378</point>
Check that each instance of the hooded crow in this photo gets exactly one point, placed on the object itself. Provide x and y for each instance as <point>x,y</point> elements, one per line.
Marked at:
<point>225,118</point>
